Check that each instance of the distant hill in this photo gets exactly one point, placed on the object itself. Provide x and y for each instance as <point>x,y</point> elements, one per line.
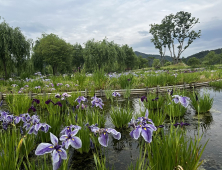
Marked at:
<point>152,56</point>
<point>202,54</point>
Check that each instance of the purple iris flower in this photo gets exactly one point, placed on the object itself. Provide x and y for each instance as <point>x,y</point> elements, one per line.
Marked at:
<point>170,92</point>
<point>181,124</point>
<point>155,99</point>
<point>58,103</point>
<point>97,102</point>
<point>180,99</point>
<point>59,84</point>
<point>35,125</point>
<point>103,134</point>
<point>81,98</point>
<point>30,121</point>
<point>6,119</point>
<point>48,101</point>
<point>57,96</point>
<point>143,98</point>
<point>70,128</point>
<point>69,138</point>
<point>65,95</point>
<point>58,153</point>
<point>160,126</point>
<point>82,106</point>
<point>32,108</point>
<point>1,103</point>
<point>196,97</point>
<point>35,100</point>
<point>143,126</point>
<point>115,94</point>
<point>44,127</point>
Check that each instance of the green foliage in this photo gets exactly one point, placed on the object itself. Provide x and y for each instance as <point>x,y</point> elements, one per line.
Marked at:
<point>175,29</point>
<point>156,63</point>
<point>204,103</point>
<point>153,101</point>
<point>174,110</point>
<point>212,58</point>
<point>53,51</point>
<point>167,63</point>
<point>100,161</point>
<point>16,106</point>
<point>14,49</point>
<point>77,55</point>
<point>99,78</point>
<point>174,149</point>
<point>193,61</point>
<point>216,84</point>
<point>126,80</point>
<point>120,117</point>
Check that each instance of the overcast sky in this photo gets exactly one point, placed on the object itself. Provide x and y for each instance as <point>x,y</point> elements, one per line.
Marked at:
<point>121,21</point>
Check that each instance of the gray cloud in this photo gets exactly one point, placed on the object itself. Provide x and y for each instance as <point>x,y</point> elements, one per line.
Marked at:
<point>121,21</point>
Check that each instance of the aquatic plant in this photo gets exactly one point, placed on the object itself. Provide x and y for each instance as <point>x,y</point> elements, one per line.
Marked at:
<point>173,149</point>
<point>120,117</point>
<point>202,103</point>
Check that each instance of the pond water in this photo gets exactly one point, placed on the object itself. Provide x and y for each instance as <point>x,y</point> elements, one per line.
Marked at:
<point>120,154</point>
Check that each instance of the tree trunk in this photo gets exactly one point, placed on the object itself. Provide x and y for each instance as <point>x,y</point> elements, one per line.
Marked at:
<point>54,70</point>
<point>4,65</point>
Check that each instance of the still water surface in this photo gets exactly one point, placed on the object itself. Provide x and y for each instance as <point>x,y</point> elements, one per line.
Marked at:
<point>120,154</point>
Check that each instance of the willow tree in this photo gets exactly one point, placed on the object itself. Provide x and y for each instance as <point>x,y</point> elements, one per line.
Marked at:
<point>99,54</point>
<point>14,48</point>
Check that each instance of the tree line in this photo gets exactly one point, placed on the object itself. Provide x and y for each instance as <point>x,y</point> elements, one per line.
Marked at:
<point>51,54</point>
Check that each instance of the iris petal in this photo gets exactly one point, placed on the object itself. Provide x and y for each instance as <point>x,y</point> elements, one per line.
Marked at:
<point>147,134</point>
<point>136,133</point>
<point>76,142</point>
<point>54,139</point>
<point>103,139</point>
<point>55,156</point>
<point>44,148</point>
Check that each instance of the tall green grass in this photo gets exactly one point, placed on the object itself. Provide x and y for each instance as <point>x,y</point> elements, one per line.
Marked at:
<point>120,117</point>
<point>205,102</point>
<point>174,149</point>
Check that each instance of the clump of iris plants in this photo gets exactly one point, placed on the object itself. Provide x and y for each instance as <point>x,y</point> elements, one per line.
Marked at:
<point>30,123</point>
<point>142,126</point>
<point>178,106</point>
<point>202,103</point>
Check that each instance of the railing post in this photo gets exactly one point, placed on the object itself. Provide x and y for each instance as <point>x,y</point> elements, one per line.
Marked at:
<point>101,92</point>
<point>158,89</point>
<point>184,85</point>
<point>147,90</point>
<point>86,91</point>
<point>30,94</point>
